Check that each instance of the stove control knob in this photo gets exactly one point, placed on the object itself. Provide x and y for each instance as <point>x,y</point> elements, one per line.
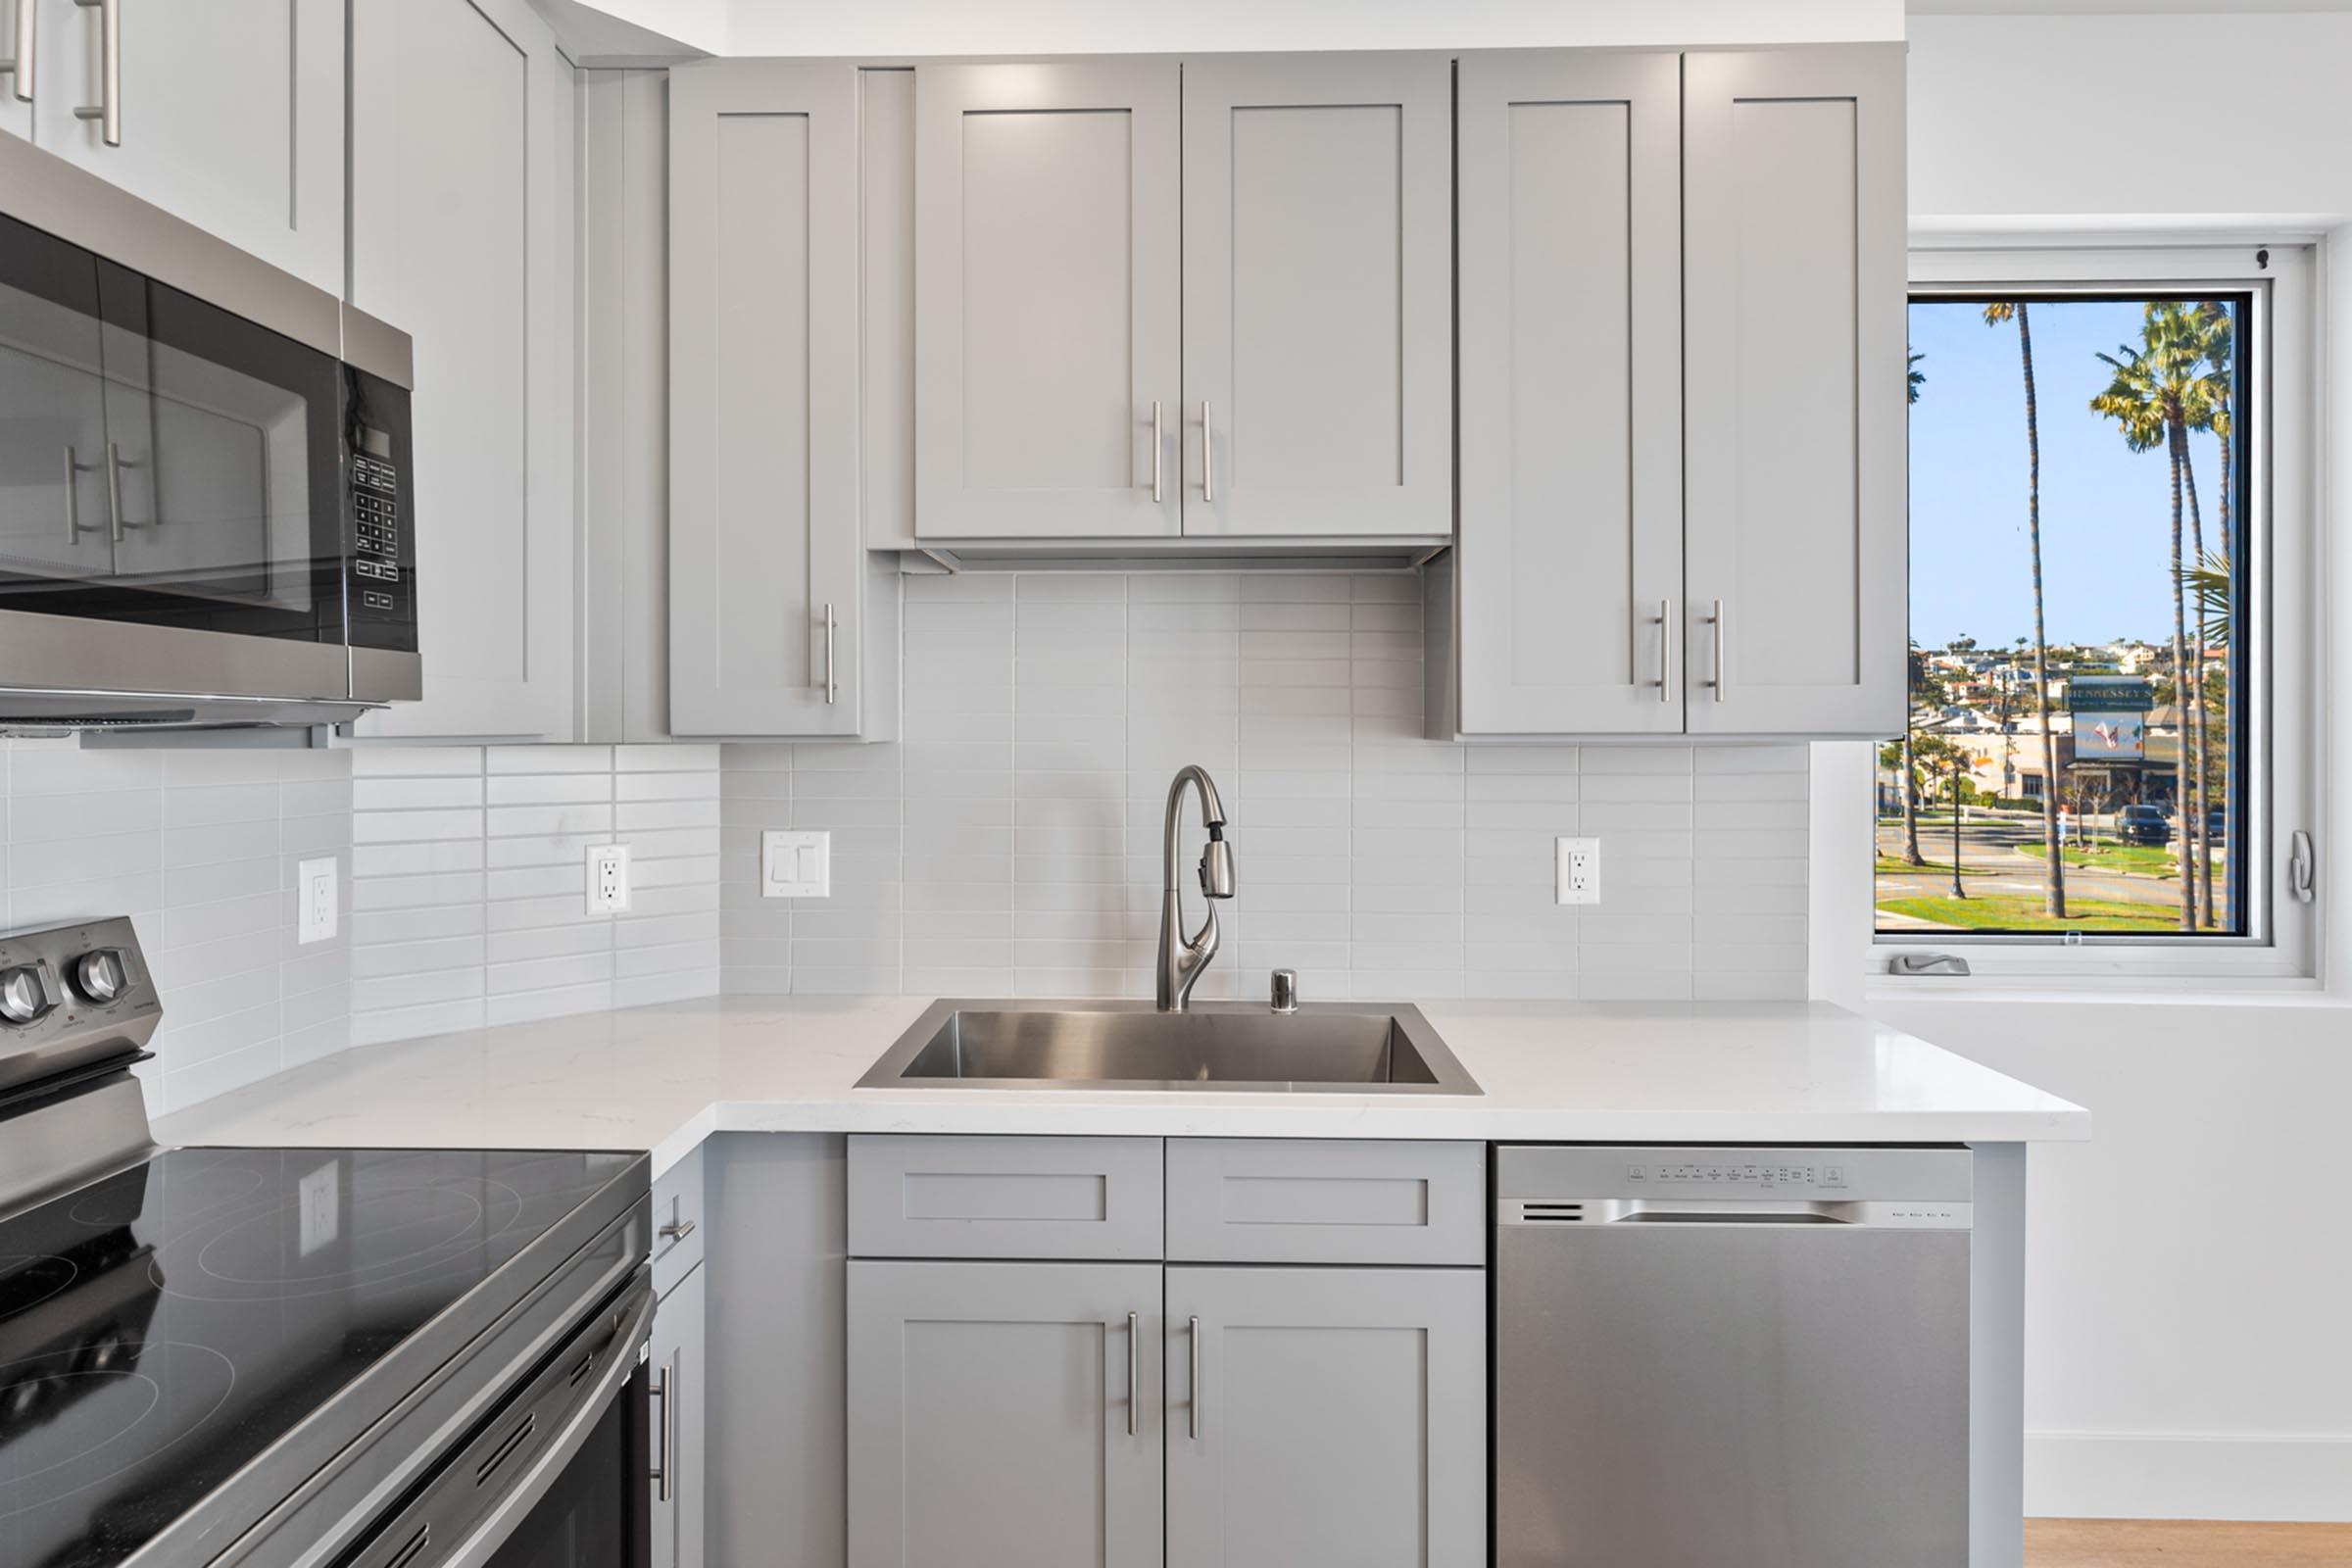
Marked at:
<point>101,976</point>
<point>23,996</point>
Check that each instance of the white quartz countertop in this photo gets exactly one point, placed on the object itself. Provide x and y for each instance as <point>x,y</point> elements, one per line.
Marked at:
<point>663,1078</point>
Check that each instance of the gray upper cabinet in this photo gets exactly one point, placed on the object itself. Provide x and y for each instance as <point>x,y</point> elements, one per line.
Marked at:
<point>1326,1417</point>
<point>1570,562</point>
<point>462,235</point>
<point>1793,365</point>
<point>1046,363</point>
<point>228,113</point>
<point>766,570</point>
<point>1317,295</point>
<point>16,105</point>
<point>1004,1415</point>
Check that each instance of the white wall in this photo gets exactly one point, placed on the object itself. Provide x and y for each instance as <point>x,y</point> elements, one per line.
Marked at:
<point>2188,1268</point>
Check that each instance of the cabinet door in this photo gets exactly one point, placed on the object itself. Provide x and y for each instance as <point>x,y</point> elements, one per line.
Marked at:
<point>765,623</point>
<point>676,1441</point>
<point>1047,261</point>
<point>1327,1415</point>
<point>462,237</point>
<point>17,94</point>
<point>230,111</point>
<point>1794,378</point>
<point>1570,562</point>
<point>1318,294</point>
<point>1005,1415</point>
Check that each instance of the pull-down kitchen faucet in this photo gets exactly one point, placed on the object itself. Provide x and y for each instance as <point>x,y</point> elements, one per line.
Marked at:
<point>1182,958</point>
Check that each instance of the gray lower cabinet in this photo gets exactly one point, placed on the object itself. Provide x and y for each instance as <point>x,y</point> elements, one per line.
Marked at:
<point>679,1384</point>
<point>1326,1417</point>
<point>1004,1415</point>
<point>1318,292</point>
<point>1795,522</point>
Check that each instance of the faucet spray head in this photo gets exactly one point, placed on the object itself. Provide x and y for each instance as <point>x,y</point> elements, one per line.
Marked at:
<point>1216,865</point>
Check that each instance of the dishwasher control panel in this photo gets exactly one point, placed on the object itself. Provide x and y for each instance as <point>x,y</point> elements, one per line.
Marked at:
<point>1659,1173</point>
<point>1761,1178</point>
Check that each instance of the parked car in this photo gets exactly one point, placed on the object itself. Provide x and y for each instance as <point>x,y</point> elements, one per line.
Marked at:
<point>2143,825</point>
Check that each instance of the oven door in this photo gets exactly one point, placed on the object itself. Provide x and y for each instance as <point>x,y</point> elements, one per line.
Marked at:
<point>171,490</point>
<point>554,1478</point>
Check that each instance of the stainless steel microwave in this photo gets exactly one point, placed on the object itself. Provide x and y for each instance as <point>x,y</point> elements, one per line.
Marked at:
<point>205,475</point>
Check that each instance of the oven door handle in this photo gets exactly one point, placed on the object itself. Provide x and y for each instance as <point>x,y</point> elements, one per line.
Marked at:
<point>529,1485</point>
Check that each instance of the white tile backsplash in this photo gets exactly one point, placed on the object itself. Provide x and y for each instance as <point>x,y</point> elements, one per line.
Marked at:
<point>469,883</point>
<point>199,848</point>
<point>1009,845</point>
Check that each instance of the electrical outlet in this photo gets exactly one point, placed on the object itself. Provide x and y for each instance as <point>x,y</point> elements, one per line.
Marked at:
<point>315,900</point>
<point>796,864</point>
<point>1579,880</point>
<point>608,879</point>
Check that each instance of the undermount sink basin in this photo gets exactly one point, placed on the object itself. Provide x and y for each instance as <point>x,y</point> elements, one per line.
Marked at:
<point>1328,1047</point>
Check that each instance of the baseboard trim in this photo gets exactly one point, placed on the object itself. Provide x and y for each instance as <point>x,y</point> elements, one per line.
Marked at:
<point>2102,1475</point>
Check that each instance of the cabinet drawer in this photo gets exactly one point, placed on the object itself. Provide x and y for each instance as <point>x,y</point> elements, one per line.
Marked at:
<point>975,1196</point>
<point>1317,1200</point>
<point>677,1222</point>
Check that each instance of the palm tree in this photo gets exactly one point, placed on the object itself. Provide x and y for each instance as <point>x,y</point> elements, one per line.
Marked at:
<point>2214,324</point>
<point>1997,311</point>
<point>2136,400</point>
<point>1915,379</point>
<point>2179,341</point>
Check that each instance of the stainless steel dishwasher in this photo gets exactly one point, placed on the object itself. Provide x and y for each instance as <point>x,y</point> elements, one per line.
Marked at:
<point>1730,1357</point>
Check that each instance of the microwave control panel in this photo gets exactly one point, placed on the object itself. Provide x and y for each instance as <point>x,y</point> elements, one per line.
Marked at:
<point>375,533</point>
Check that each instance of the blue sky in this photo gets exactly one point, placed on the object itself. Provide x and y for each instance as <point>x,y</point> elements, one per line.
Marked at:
<point>2105,510</point>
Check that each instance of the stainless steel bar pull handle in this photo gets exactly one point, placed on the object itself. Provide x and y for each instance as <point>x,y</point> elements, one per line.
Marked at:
<point>1155,444</point>
<point>1135,1387</point>
<point>1723,635</point>
<point>676,1230</point>
<point>21,61</point>
<point>1191,1397</point>
<point>113,490</point>
<point>1209,458</point>
<point>832,686</point>
<point>75,468</point>
<point>1665,650</point>
<point>108,110</point>
<point>664,1388</point>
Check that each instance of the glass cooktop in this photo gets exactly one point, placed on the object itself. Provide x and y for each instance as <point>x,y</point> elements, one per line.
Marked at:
<point>162,1327</point>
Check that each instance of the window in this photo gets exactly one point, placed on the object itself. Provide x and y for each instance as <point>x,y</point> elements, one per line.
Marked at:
<point>2094,762</point>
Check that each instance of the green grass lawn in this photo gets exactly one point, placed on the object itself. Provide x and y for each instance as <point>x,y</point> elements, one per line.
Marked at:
<point>2010,912</point>
<point>1896,866</point>
<point>2148,859</point>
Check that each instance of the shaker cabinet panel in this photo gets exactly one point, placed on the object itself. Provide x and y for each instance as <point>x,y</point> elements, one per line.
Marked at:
<point>1317,294</point>
<point>1794,376</point>
<point>1005,1415</point>
<point>1326,1417</point>
<point>227,113</point>
<point>1570,560</point>
<point>677,1439</point>
<point>461,204</point>
<point>765,613</point>
<point>1045,284</point>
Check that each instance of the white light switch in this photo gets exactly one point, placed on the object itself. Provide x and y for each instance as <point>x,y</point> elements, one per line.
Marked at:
<point>796,864</point>
<point>315,900</point>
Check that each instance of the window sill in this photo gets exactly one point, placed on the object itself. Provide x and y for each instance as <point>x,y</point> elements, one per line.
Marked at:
<point>2113,989</point>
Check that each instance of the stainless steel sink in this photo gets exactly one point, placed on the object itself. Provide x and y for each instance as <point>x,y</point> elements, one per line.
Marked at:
<point>1330,1047</point>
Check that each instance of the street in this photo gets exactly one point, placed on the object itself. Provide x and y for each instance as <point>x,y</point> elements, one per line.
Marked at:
<point>1994,865</point>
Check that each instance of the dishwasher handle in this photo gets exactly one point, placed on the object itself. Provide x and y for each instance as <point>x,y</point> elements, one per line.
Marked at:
<point>1575,1213</point>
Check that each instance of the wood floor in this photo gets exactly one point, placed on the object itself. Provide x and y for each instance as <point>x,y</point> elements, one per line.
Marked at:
<point>2185,1544</point>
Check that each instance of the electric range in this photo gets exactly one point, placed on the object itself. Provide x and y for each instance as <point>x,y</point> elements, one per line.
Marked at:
<point>297,1357</point>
